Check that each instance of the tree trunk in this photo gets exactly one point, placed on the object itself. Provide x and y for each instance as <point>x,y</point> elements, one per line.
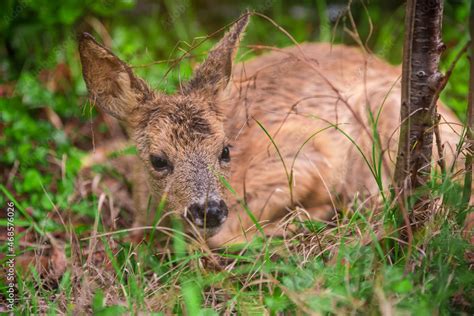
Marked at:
<point>421,82</point>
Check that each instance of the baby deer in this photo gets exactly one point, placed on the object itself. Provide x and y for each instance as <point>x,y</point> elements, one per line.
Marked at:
<point>287,130</point>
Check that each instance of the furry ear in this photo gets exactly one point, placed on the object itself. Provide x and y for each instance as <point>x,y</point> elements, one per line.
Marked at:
<point>111,83</point>
<point>213,75</point>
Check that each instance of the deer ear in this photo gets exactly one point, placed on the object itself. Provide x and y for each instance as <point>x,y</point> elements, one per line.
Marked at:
<point>111,83</point>
<point>214,73</point>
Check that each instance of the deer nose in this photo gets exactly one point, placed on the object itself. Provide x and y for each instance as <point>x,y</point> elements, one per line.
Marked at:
<point>209,215</point>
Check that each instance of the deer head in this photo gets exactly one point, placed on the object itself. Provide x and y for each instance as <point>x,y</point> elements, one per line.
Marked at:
<point>180,138</point>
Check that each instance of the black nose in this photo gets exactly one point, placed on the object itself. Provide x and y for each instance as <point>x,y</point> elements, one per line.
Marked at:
<point>210,215</point>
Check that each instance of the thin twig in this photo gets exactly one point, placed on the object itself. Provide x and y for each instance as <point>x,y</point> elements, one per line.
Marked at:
<point>440,147</point>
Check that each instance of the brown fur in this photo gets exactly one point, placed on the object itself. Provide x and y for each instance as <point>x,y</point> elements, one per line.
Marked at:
<point>293,93</point>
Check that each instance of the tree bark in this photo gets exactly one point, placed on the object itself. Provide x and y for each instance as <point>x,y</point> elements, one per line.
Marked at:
<point>421,82</point>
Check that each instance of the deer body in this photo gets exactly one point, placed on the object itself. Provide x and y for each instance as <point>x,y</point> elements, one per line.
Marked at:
<point>300,100</point>
<point>313,100</point>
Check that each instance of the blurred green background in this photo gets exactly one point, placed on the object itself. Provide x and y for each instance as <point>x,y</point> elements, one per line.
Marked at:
<point>46,124</point>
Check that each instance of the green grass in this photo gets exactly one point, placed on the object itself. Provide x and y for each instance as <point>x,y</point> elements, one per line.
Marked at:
<point>345,274</point>
<point>361,266</point>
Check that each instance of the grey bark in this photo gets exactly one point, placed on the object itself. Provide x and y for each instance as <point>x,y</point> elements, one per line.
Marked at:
<point>421,82</point>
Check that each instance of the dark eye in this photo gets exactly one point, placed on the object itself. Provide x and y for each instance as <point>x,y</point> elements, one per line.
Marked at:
<point>160,163</point>
<point>225,155</point>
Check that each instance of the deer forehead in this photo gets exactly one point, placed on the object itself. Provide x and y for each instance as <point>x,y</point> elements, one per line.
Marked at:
<point>185,125</point>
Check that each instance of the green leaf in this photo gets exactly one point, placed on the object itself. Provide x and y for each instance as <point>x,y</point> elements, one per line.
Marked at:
<point>32,181</point>
<point>403,286</point>
<point>192,297</point>
<point>98,301</point>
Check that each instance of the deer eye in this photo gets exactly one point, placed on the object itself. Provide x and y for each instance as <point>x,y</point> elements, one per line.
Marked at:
<point>225,155</point>
<point>160,163</point>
